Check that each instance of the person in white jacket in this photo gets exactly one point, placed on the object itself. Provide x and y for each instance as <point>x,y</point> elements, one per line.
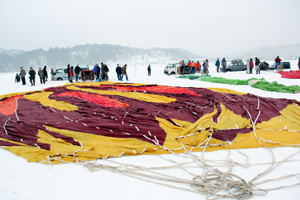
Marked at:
<point>248,66</point>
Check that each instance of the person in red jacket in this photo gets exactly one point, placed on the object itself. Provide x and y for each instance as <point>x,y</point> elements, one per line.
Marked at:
<point>251,65</point>
<point>198,66</point>
<point>189,63</point>
<point>71,74</point>
<point>182,63</point>
<point>277,62</point>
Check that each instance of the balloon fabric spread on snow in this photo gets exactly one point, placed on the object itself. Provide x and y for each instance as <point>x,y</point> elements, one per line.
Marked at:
<point>88,121</point>
<point>290,74</point>
<point>259,83</point>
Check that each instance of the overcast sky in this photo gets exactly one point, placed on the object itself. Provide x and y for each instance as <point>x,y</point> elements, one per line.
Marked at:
<point>209,27</point>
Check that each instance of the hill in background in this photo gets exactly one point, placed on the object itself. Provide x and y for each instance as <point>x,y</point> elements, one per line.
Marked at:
<point>89,54</point>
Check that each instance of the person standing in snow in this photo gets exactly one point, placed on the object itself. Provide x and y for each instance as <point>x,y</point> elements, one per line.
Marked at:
<point>251,65</point>
<point>23,74</point>
<point>52,72</point>
<point>104,71</point>
<point>248,66</point>
<point>218,64</point>
<point>41,75</point>
<point>205,67</point>
<point>77,70</point>
<point>45,74</point>
<point>71,74</point>
<point>257,68</point>
<point>224,64</point>
<point>32,76</point>
<point>124,72</point>
<point>198,66</point>
<point>299,63</point>
<point>97,71</point>
<point>149,70</point>
<point>17,78</point>
<point>277,62</point>
<point>119,72</point>
<point>68,69</point>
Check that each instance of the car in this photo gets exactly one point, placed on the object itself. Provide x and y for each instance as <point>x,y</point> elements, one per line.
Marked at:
<point>60,75</point>
<point>235,65</point>
<point>283,65</point>
<point>171,69</point>
<point>264,65</point>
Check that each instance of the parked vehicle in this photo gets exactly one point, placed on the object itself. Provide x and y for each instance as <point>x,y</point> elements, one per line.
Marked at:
<point>59,75</point>
<point>264,65</point>
<point>62,74</point>
<point>177,69</point>
<point>235,65</point>
<point>171,69</point>
<point>283,65</point>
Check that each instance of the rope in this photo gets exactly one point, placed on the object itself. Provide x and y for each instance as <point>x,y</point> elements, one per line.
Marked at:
<point>214,183</point>
<point>203,176</point>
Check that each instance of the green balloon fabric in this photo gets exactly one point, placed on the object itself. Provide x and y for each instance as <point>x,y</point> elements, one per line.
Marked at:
<point>276,87</point>
<point>253,82</point>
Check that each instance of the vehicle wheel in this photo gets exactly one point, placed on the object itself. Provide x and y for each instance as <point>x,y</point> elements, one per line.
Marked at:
<point>59,79</point>
<point>172,73</point>
<point>228,70</point>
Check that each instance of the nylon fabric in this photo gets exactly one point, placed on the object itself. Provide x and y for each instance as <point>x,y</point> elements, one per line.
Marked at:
<point>88,121</point>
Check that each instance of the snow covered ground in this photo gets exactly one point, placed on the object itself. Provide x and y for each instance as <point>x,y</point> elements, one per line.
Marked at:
<point>21,180</point>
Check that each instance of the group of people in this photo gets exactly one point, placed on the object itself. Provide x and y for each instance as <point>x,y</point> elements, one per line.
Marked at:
<point>101,73</point>
<point>223,64</point>
<point>42,73</point>
<point>194,67</point>
<point>250,65</point>
<point>121,72</point>
<point>71,71</point>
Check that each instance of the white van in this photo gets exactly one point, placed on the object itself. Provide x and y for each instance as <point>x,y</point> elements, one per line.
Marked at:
<point>59,75</point>
<point>171,69</point>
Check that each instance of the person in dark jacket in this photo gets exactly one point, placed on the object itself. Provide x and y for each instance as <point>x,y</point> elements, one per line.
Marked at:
<point>104,71</point>
<point>41,75</point>
<point>18,78</point>
<point>149,70</point>
<point>45,74</point>
<point>68,69</point>
<point>77,71</point>
<point>299,63</point>
<point>22,75</point>
<point>119,72</point>
<point>257,68</point>
<point>32,76</point>
<point>218,64</point>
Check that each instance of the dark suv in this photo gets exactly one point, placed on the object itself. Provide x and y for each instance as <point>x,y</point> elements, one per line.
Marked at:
<point>283,65</point>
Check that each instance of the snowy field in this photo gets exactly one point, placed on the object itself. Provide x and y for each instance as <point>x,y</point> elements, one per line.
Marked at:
<point>21,180</point>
